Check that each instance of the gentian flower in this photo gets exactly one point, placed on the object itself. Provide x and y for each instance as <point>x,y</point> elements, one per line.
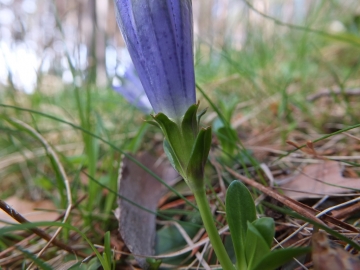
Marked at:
<point>159,37</point>
<point>132,90</point>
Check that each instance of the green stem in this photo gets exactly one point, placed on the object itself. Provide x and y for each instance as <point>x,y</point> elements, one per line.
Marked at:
<point>206,215</point>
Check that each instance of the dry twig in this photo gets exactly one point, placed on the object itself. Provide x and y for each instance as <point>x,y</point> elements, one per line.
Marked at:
<point>19,218</point>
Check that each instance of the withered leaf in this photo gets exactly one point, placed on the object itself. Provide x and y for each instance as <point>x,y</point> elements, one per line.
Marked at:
<point>317,180</point>
<point>327,257</point>
<point>137,226</point>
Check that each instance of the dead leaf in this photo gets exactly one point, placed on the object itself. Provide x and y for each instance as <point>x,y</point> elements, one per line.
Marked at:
<point>317,180</point>
<point>137,226</point>
<point>27,210</point>
<point>326,257</point>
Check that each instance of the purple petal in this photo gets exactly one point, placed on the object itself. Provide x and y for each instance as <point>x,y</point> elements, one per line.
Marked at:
<point>139,100</point>
<point>132,90</point>
<point>159,37</point>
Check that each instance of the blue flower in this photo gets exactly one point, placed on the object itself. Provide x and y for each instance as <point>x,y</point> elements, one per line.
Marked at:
<point>132,90</point>
<point>159,37</point>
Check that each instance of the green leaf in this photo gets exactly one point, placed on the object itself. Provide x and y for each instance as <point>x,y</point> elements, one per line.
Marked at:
<point>255,246</point>
<point>266,227</point>
<point>170,239</point>
<point>107,252</point>
<point>154,264</point>
<point>151,122</point>
<point>278,257</point>
<point>198,158</point>
<point>240,209</point>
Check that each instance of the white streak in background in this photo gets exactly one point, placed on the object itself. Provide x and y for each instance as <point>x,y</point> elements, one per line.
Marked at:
<point>3,67</point>
<point>22,63</point>
<point>29,6</point>
<point>110,60</point>
<point>5,34</point>
<point>22,51</point>
<point>18,61</point>
<point>6,2</point>
<point>67,77</point>
<point>7,16</point>
<point>79,60</point>
<point>299,11</point>
<point>48,56</point>
<point>337,27</point>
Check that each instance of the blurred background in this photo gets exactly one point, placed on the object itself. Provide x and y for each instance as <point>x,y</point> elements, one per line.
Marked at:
<point>278,71</point>
<point>39,39</point>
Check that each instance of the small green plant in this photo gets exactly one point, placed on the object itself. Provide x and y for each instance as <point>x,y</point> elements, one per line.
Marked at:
<point>252,237</point>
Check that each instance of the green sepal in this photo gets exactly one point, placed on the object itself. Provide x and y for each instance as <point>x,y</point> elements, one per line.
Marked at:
<point>186,146</point>
<point>151,122</point>
<point>174,137</point>
<point>189,126</point>
<point>278,257</point>
<point>256,246</point>
<point>198,158</point>
<point>240,209</point>
<point>189,123</point>
<point>266,227</point>
<point>200,114</point>
<point>174,161</point>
